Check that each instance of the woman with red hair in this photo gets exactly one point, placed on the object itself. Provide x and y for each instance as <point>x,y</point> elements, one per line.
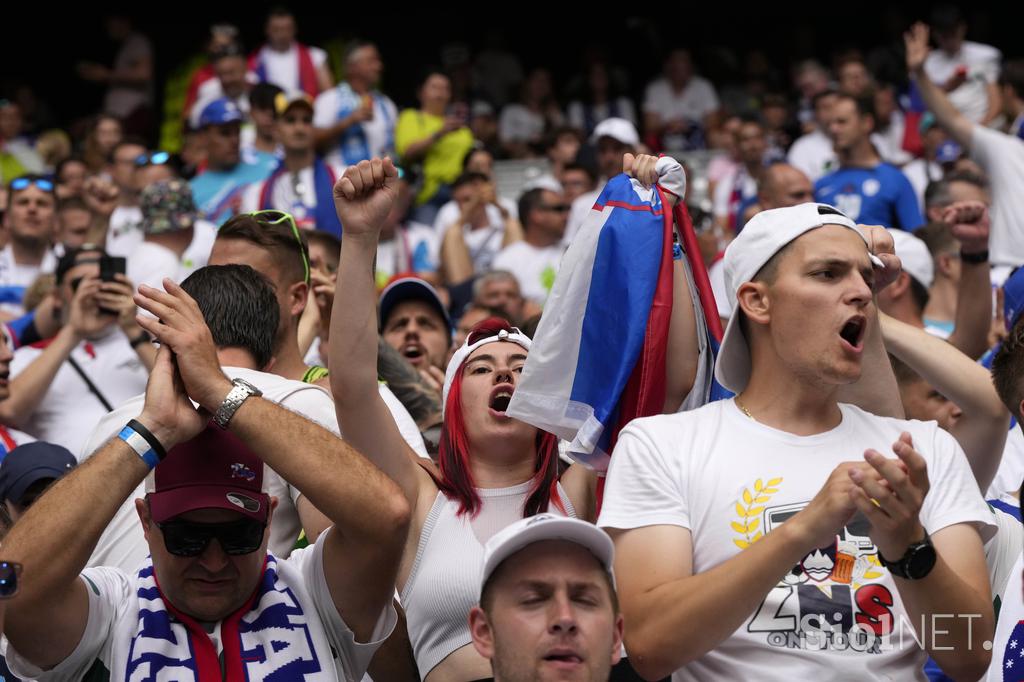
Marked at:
<point>492,469</point>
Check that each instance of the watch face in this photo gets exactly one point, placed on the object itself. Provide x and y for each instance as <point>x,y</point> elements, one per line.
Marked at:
<point>920,562</point>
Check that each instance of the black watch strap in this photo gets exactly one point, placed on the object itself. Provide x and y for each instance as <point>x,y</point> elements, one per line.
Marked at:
<point>916,563</point>
<point>974,258</point>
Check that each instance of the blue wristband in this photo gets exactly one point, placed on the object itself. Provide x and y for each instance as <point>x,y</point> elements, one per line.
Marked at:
<point>140,445</point>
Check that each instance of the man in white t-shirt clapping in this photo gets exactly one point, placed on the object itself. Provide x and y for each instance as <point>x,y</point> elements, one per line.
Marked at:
<point>768,536</point>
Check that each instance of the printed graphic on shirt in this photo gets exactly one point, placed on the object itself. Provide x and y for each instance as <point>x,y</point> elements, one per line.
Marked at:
<point>1013,656</point>
<point>832,599</point>
<point>849,201</point>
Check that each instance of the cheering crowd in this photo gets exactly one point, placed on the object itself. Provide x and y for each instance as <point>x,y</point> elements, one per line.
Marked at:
<point>517,382</point>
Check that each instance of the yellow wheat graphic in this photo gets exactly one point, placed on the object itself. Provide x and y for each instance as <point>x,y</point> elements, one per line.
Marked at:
<point>749,523</point>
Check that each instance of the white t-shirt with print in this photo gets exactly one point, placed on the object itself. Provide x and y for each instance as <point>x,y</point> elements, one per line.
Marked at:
<point>449,213</point>
<point>729,480</point>
<point>379,130</point>
<point>534,267</point>
<point>1002,158</point>
<point>414,248</point>
<point>122,543</point>
<point>283,67</point>
<point>69,410</point>
<point>982,64</point>
<point>323,645</point>
<point>15,278</point>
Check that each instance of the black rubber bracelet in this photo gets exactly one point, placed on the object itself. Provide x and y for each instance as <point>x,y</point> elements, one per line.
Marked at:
<point>142,338</point>
<point>150,438</point>
<point>974,258</point>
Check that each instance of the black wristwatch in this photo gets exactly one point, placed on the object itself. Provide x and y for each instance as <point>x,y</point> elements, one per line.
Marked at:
<point>916,563</point>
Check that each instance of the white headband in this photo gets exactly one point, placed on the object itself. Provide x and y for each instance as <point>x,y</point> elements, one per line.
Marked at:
<point>514,336</point>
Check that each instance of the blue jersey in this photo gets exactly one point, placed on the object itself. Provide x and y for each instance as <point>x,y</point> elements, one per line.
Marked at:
<point>872,196</point>
<point>217,193</point>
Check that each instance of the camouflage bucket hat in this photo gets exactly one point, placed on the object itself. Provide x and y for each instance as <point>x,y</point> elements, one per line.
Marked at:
<point>167,206</point>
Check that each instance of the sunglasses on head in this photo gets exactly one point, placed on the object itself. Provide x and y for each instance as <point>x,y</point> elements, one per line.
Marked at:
<point>190,538</point>
<point>9,573</point>
<point>152,159</point>
<point>274,217</point>
<point>18,184</point>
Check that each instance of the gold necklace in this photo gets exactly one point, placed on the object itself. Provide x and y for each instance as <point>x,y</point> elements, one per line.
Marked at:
<point>743,408</point>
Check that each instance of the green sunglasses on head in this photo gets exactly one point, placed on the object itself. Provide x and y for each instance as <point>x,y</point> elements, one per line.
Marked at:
<point>275,217</point>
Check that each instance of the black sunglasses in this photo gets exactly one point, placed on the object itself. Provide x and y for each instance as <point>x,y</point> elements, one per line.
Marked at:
<point>190,539</point>
<point>9,573</point>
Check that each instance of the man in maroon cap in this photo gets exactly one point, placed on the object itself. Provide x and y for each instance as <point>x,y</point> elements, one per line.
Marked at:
<point>211,603</point>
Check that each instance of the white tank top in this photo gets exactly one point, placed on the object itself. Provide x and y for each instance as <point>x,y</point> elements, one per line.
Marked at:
<point>444,583</point>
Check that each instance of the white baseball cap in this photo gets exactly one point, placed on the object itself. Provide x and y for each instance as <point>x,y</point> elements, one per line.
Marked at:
<point>455,364</point>
<point>915,256</point>
<point>761,238</point>
<point>618,129</point>
<point>541,527</point>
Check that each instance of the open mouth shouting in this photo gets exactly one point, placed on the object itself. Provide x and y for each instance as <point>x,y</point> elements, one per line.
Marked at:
<point>501,395</point>
<point>415,353</point>
<point>852,334</point>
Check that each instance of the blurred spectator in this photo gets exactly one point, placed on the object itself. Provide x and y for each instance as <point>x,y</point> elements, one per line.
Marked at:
<point>98,360</point>
<point>477,161</point>
<point>940,312</point>
<point>286,62</point>
<point>129,81</point>
<point>967,71</point>
<point>722,137</point>
<point>906,298</point>
<point>222,36</point>
<point>70,176</point>
<point>123,231</point>
<point>435,140</point>
<point>261,136</point>
<point>890,126</point>
<point>499,290</point>
<point>30,222</point>
<point>53,146</point>
<point>470,243</point>
<point>864,187</point>
<point>576,179</point>
<point>18,155</point>
<point>168,228</point>
<point>522,125</point>
<point>813,153</point>
<point>563,146</point>
<point>534,260</point>
<point>218,189</point>
<point>853,76</point>
<point>355,121</point>
<point>472,314</point>
<point>414,322</point>
<point>779,131</point>
<point>28,470</point>
<point>739,189</point>
<point>232,82</point>
<point>677,104</point>
<point>613,138</point>
<point>1011,89</point>
<point>303,183</point>
<point>938,150</point>
<point>810,79</point>
<point>73,222</point>
<point>484,126</point>
<point>601,98</point>
<point>104,134</point>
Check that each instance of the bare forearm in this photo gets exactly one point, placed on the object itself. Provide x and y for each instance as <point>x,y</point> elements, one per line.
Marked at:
<point>973,310</point>
<point>683,349</point>
<point>29,387</point>
<point>951,619</point>
<point>682,620</point>
<point>456,262</point>
<point>945,113</point>
<point>417,150</point>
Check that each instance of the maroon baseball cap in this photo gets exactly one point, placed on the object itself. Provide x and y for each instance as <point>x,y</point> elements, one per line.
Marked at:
<point>214,470</point>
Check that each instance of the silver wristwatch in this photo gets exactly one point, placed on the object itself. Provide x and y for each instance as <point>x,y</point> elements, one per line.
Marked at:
<point>239,394</point>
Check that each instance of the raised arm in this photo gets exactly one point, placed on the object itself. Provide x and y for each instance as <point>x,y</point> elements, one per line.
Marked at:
<point>981,431</point>
<point>970,226</point>
<point>956,124</point>
<point>55,538</point>
<point>369,512</point>
<point>363,196</point>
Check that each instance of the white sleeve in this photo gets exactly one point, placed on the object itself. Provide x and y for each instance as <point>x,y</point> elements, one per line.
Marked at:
<point>23,357</point>
<point>643,487</point>
<point>317,56</point>
<point>315,404</point>
<point>953,496</point>
<point>355,656</point>
<point>251,197</point>
<point>406,426</point>
<point>110,592</point>
<point>325,109</point>
<point>447,215</point>
<point>1003,550</point>
<point>989,147</point>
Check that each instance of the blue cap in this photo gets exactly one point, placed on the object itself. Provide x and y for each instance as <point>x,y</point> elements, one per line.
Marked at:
<point>1013,297</point>
<point>948,152</point>
<point>26,464</point>
<point>218,112</point>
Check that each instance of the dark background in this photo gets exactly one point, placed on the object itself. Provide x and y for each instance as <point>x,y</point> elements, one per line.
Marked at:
<point>42,41</point>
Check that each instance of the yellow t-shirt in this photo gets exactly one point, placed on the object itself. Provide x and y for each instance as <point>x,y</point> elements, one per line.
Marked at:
<point>443,162</point>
